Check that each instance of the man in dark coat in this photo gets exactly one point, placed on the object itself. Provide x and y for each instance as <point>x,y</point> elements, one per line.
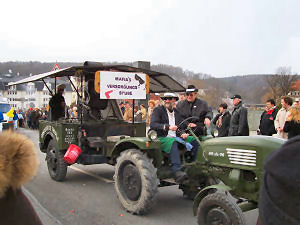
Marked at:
<point>239,118</point>
<point>192,106</point>
<point>57,103</point>
<point>222,120</point>
<point>279,198</point>
<point>33,118</point>
<point>165,120</point>
<point>266,126</point>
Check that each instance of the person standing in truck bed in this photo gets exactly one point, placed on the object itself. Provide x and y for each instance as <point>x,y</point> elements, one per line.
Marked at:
<point>57,103</point>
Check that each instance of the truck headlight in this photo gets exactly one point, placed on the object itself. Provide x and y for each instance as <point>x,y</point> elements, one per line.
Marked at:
<point>152,135</point>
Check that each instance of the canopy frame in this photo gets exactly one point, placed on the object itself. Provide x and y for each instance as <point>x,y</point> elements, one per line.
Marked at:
<point>161,82</point>
<point>47,87</point>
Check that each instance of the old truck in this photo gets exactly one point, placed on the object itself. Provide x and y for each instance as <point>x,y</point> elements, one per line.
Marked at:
<point>224,180</point>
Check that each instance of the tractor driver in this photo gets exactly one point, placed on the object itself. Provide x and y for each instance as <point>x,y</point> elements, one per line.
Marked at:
<point>57,103</point>
<point>164,121</point>
<point>194,107</point>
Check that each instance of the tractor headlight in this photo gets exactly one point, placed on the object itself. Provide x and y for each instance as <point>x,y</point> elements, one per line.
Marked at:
<point>152,134</point>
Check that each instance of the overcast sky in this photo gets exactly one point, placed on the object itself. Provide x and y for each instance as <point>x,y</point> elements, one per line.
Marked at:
<point>218,37</point>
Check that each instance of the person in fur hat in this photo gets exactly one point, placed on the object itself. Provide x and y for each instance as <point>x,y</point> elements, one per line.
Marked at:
<point>18,164</point>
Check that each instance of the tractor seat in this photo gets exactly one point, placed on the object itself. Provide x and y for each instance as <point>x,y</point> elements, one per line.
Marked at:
<point>95,142</point>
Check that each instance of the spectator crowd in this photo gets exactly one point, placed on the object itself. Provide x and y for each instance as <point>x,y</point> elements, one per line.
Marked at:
<point>279,121</point>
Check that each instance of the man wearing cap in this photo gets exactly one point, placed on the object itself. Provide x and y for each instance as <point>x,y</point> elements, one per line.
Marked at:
<point>192,106</point>
<point>57,103</point>
<point>239,118</point>
<point>165,119</point>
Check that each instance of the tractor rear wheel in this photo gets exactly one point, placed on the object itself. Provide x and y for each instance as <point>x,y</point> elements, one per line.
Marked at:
<point>136,181</point>
<point>218,208</point>
<point>57,167</point>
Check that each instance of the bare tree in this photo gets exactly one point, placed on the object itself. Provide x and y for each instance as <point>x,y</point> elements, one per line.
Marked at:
<point>272,81</point>
<point>286,79</point>
<point>281,82</point>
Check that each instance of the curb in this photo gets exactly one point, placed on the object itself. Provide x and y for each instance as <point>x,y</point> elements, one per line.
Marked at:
<point>45,216</point>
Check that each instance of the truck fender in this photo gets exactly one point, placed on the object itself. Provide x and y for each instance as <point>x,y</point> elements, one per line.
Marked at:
<point>47,137</point>
<point>205,191</point>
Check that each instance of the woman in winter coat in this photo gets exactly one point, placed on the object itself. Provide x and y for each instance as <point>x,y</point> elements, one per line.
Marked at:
<point>18,164</point>
<point>151,106</point>
<point>292,124</point>
<point>222,120</point>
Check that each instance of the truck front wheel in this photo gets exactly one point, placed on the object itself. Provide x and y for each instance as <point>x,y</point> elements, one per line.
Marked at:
<point>57,167</point>
<point>136,181</point>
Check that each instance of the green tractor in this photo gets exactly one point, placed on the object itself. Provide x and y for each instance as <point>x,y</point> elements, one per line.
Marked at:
<point>224,179</point>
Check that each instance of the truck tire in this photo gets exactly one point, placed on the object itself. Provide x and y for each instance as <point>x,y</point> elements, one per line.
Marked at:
<point>218,208</point>
<point>57,167</point>
<point>136,181</point>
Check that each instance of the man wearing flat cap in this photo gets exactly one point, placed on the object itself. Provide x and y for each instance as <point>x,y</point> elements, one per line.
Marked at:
<point>239,118</point>
<point>192,106</point>
<point>57,103</point>
<point>165,120</point>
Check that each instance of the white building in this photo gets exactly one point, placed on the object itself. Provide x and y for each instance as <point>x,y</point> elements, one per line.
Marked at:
<point>33,94</point>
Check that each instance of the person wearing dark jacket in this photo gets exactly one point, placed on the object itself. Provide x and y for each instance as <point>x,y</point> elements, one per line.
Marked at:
<point>192,106</point>
<point>57,103</point>
<point>18,164</point>
<point>239,118</point>
<point>292,124</point>
<point>266,125</point>
<point>279,195</point>
<point>222,120</point>
<point>165,120</point>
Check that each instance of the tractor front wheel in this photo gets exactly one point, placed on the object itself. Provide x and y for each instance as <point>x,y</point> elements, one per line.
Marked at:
<point>136,181</point>
<point>218,208</point>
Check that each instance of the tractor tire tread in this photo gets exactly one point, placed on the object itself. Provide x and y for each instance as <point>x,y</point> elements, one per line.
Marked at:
<point>149,182</point>
<point>226,203</point>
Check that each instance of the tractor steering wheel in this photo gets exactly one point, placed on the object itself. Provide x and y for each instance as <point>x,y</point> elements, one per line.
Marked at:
<point>186,122</point>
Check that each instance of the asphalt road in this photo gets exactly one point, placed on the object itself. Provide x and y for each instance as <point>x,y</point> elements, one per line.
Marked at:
<point>87,197</point>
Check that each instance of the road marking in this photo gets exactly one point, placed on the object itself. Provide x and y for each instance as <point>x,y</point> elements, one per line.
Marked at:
<point>91,174</point>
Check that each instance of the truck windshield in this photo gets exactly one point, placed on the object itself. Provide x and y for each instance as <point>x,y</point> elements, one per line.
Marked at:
<point>4,107</point>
